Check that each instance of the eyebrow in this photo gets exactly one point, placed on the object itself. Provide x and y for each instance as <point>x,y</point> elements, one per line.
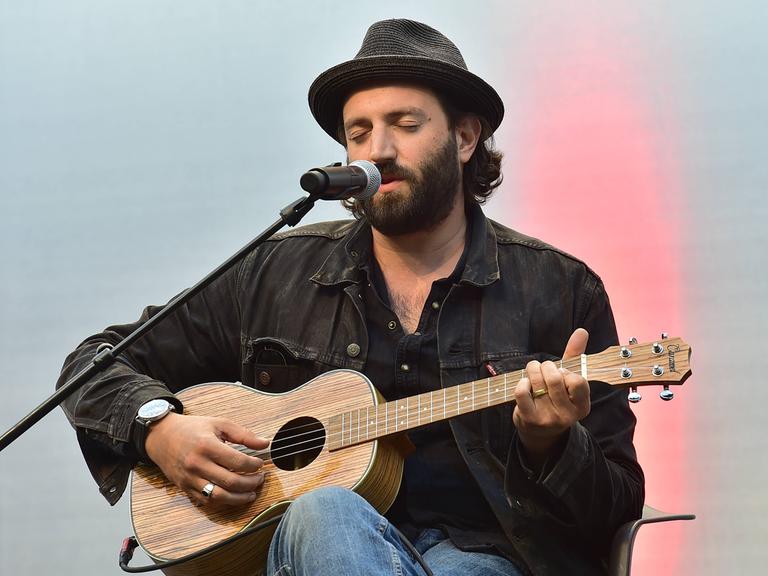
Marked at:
<point>389,116</point>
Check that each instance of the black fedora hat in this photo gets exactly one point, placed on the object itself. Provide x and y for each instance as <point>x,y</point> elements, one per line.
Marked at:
<point>405,51</point>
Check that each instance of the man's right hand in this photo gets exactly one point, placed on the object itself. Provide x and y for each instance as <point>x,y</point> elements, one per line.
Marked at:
<point>192,451</point>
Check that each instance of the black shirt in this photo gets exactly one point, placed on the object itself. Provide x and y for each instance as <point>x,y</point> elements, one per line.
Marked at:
<point>438,489</point>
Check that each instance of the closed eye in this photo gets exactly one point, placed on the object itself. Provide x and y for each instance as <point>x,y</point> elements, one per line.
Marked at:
<point>357,136</point>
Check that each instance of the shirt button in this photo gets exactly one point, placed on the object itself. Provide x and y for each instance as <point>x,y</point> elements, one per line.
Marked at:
<point>404,367</point>
<point>435,305</point>
<point>264,378</point>
<point>353,350</point>
<point>392,325</point>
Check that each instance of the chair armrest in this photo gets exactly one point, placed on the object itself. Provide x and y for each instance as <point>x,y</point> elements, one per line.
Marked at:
<point>624,541</point>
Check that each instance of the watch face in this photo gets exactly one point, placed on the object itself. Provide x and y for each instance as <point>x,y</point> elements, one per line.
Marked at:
<point>154,408</point>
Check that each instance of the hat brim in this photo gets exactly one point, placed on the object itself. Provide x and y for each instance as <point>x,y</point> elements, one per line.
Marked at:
<point>466,90</point>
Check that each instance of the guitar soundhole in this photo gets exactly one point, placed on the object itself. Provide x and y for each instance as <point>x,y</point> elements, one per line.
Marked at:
<point>297,443</point>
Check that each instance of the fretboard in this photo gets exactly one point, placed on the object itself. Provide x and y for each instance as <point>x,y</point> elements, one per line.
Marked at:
<point>371,422</point>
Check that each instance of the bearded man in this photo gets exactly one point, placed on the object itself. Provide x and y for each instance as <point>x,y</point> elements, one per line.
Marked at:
<point>420,292</point>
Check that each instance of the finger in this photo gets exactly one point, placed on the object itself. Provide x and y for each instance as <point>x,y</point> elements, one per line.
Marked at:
<point>233,459</point>
<point>553,378</point>
<point>523,396</point>
<point>232,481</point>
<point>577,344</point>
<point>231,432</point>
<point>578,390</point>
<point>534,375</point>
<point>219,495</point>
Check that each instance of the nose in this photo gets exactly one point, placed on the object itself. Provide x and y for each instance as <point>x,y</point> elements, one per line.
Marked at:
<point>382,146</point>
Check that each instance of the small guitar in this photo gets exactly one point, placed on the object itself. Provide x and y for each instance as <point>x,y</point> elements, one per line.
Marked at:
<point>337,430</point>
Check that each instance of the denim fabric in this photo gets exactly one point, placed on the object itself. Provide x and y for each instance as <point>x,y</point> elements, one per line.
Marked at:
<point>334,531</point>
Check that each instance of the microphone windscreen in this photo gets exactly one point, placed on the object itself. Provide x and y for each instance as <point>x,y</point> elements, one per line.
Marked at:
<point>374,178</point>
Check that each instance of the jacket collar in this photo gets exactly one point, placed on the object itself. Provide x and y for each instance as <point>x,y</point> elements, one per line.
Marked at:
<point>353,253</point>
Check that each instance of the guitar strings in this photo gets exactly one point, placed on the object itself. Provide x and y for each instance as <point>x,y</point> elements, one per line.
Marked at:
<point>319,434</point>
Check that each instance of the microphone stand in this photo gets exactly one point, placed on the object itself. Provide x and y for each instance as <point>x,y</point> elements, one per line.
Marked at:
<point>290,215</point>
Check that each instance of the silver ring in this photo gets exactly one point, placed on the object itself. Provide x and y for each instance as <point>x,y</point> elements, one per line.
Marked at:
<point>208,489</point>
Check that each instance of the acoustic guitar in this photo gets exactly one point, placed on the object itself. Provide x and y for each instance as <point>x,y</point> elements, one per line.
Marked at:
<point>337,430</point>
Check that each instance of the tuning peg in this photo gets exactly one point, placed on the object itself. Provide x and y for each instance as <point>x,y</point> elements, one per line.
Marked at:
<point>633,340</point>
<point>664,335</point>
<point>634,396</point>
<point>666,394</point>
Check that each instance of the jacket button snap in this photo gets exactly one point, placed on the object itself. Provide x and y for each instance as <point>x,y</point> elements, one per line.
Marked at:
<point>353,350</point>
<point>435,305</point>
<point>264,378</point>
<point>391,324</point>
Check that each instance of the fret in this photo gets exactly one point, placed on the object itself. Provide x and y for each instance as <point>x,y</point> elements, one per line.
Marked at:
<point>431,406</point>
<point>406,412</point>
<point>342,428</point>
<point>418,410</point>
<point>465,396</point>
<point>396,415</point>
<point>505,387</point>
<point>473,396</point>
<point>453,404</point>
<point>443,403</point>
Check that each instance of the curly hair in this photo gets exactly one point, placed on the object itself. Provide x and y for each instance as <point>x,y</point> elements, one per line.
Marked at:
<point>482,173</point>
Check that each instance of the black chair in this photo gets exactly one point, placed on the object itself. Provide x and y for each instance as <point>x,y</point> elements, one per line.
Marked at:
<point>624,541</point>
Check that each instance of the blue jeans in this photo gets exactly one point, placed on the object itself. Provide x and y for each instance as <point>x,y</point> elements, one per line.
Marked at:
<point>333,531</point>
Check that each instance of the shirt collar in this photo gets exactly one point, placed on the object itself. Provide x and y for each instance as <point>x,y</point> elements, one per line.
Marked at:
<point>481,268</point>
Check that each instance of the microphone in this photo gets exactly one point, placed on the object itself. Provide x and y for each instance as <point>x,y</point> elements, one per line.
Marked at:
<point>359,179</point>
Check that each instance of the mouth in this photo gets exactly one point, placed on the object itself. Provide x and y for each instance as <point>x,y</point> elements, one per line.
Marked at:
<point>389,183</point>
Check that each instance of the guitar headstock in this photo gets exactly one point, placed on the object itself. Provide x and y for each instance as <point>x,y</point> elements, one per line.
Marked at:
<point>663,362</point>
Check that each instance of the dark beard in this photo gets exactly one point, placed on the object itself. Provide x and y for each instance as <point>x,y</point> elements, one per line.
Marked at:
<point>430,200</point>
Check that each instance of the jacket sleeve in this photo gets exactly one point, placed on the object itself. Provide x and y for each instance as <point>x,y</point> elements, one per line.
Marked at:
<point>594,484</point>
<point>199,342</point>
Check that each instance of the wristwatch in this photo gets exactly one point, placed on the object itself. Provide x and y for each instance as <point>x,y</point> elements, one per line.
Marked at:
<point>148,413</point>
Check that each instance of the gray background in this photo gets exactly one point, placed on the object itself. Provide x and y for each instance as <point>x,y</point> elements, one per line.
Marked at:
<point>143,142</point>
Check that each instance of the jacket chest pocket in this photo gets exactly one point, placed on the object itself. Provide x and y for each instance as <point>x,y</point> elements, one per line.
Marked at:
<point>276,366</point>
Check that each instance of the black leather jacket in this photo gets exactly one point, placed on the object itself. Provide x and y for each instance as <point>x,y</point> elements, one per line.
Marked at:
<point>291,310</point>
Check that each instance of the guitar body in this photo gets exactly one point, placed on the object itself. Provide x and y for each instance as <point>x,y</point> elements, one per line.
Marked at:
<point>168,525</point>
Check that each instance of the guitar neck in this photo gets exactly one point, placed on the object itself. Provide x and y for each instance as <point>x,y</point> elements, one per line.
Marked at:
<point>660,363</point>
<point>372,422</point>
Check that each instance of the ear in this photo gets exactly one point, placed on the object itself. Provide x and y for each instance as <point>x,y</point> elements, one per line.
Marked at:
<point>468,130</point>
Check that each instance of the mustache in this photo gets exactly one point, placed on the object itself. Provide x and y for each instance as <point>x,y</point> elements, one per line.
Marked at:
<point>392,171</point>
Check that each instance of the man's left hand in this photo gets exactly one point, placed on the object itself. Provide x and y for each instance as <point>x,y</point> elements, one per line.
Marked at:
<point>549,401</point>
